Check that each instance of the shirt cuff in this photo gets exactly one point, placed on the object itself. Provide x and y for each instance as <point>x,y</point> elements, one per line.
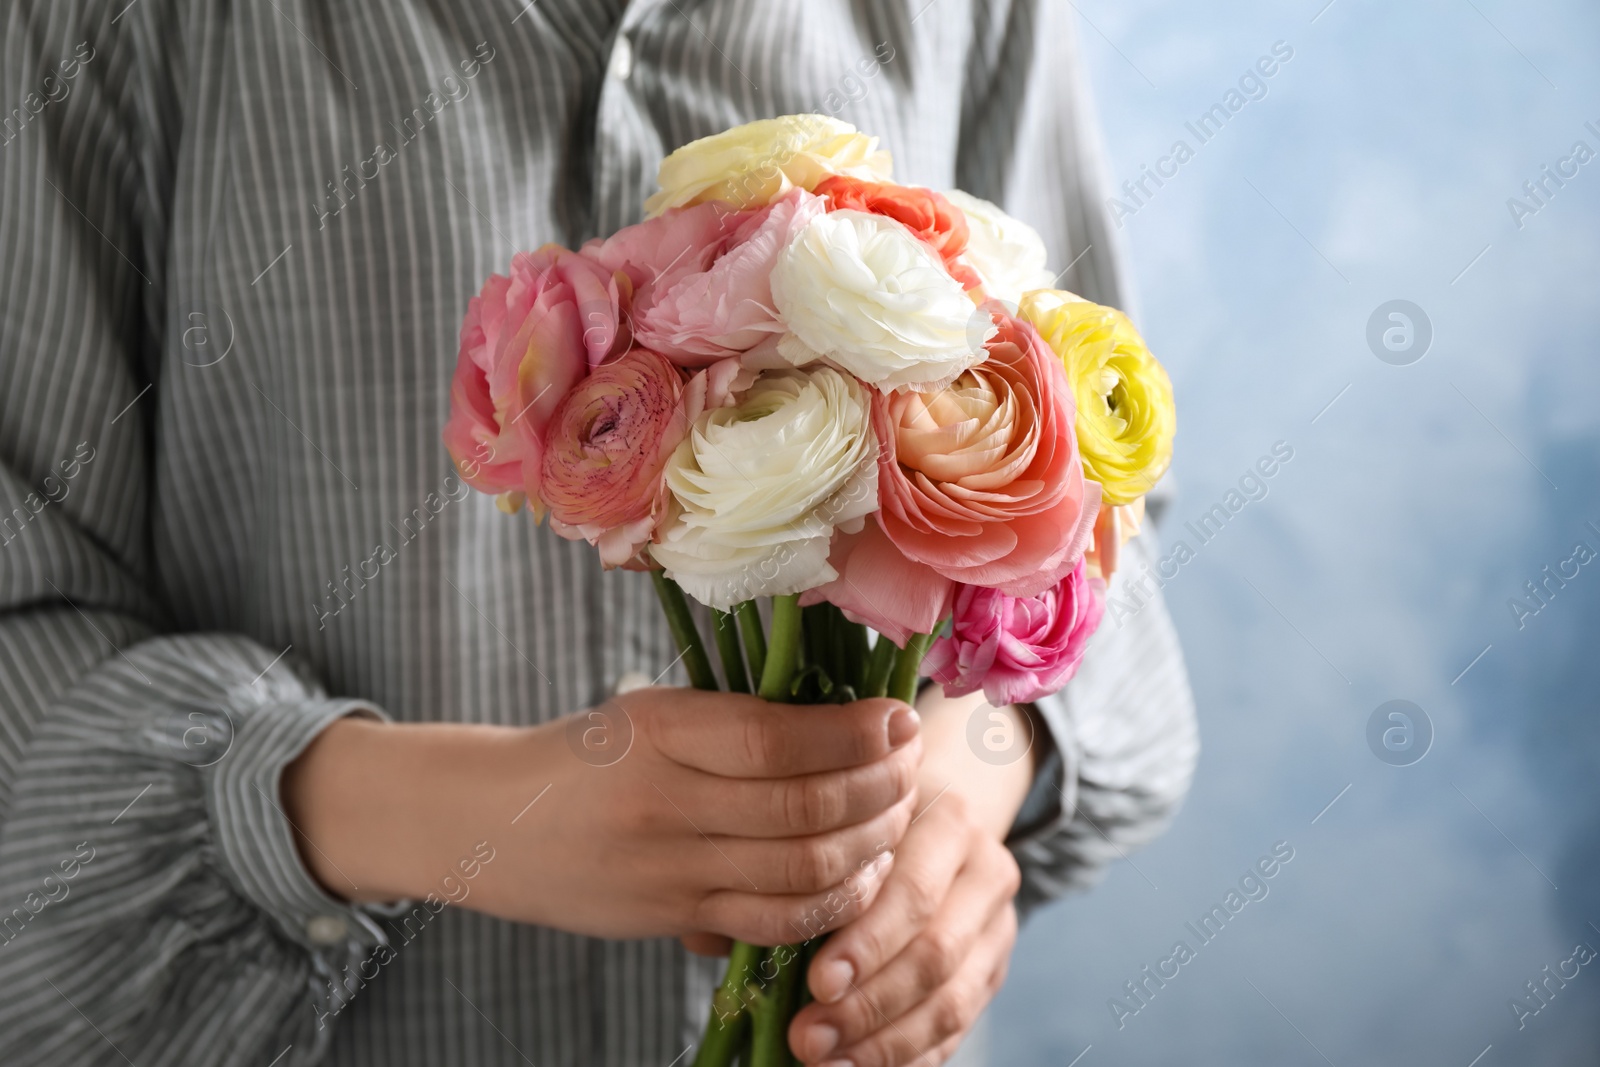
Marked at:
<point>256,842</point>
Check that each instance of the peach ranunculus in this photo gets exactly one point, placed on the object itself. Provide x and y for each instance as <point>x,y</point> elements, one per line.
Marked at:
<point>981,481</point>
<point>702,275</point>
<point>527,339</point>
<point>924,212</point>
<point>756,163</point>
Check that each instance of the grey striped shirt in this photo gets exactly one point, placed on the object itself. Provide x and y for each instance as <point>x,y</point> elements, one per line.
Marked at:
<point>236,240</point>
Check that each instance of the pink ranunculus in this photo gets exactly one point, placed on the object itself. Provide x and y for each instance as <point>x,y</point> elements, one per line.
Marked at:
<point>981,480</point>
<point>527,339</point>
<point>703,275</point>
<point>1017,649</point>
<point>608,441</point>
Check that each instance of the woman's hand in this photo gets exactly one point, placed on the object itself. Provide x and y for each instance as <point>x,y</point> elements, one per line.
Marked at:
<point>906,981</point>
<point>714,812</point>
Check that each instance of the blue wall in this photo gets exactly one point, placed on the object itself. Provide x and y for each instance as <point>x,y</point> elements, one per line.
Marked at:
<point>1377,166</point>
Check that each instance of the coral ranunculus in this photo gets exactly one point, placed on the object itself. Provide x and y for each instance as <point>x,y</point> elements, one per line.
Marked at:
<point>981,481</point>
<point>607,444</point>
<point>755,164</point>
<point>525,341</point>
<point>1126,418</point>
<point>939,223</point>
<point>1017,649</point>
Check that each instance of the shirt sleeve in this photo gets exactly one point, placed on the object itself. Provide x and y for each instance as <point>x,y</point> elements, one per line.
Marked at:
<point>153,904</point>
<point>1122,741</point>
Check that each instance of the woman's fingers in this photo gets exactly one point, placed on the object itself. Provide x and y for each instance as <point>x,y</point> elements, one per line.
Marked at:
<point>932,852</point>
<point>806,864</point>
<point>943,1018</point>
<point>933,957</point>
<point>764,919</point>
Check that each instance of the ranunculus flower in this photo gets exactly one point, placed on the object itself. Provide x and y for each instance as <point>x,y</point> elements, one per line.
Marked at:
<point>759,487</point>
<point>605,449</point>
<point>702,275</point>
<point>981,481</point>
<point>1008,255</point>
<point>1114,527</point>
<point>1126,419</point>
<point>924,212</point>
<point>756,163</point>
<point>1017,649</point>
<point>525,341</point>
<point>879,587</point>
<point>859,290</point>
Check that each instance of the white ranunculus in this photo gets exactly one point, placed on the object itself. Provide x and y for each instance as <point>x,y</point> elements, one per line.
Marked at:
<point>758,488</point>
<point>863,292</point>
<point>1007,253</point>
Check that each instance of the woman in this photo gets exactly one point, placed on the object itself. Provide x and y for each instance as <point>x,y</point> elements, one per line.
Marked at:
<point>284,763</point>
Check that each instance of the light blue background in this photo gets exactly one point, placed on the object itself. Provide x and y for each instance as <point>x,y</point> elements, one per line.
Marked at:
<point>1415,507</point>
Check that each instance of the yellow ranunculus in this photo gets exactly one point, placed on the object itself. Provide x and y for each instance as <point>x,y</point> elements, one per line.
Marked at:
<point>1125,414</point>
<point>754,164</point>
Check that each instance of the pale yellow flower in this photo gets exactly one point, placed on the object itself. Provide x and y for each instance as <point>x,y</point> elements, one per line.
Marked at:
<point>754,164</point>
<point>1126,417</point>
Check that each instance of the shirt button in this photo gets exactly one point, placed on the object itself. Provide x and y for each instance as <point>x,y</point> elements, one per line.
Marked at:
<point>621,59</point>
<point>630,681</point>
<point>326,929</point>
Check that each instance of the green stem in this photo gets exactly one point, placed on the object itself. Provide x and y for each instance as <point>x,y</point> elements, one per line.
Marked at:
<point>755,638</point>
<point>853,651</point>
<point>727,1028</point>
<point>880,662</point>
<point>770,1015</point>
<point>783,651</point>
<point>684,632</point>
<point>907,664</point>
<point>724,628</point>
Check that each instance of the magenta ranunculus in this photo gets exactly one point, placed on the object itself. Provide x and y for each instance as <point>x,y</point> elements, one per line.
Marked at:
<point>1017,648</point>
<point>702,275</point>
<point>526,341</point>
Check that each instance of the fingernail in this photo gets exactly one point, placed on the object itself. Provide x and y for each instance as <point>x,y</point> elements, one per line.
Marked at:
<point>903,723</point>
<point>838,1063</point>
<point>832,979</point>
<point>823,1040</point>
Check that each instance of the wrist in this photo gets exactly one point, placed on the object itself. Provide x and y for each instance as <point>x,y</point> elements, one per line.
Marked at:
<point>380,810</point>
<point>993,779</point>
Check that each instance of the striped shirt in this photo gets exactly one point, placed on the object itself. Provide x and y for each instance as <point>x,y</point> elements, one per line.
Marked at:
<point>236,242</point>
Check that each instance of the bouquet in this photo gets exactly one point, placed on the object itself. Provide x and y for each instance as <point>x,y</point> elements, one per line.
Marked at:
<point>799,381</point>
